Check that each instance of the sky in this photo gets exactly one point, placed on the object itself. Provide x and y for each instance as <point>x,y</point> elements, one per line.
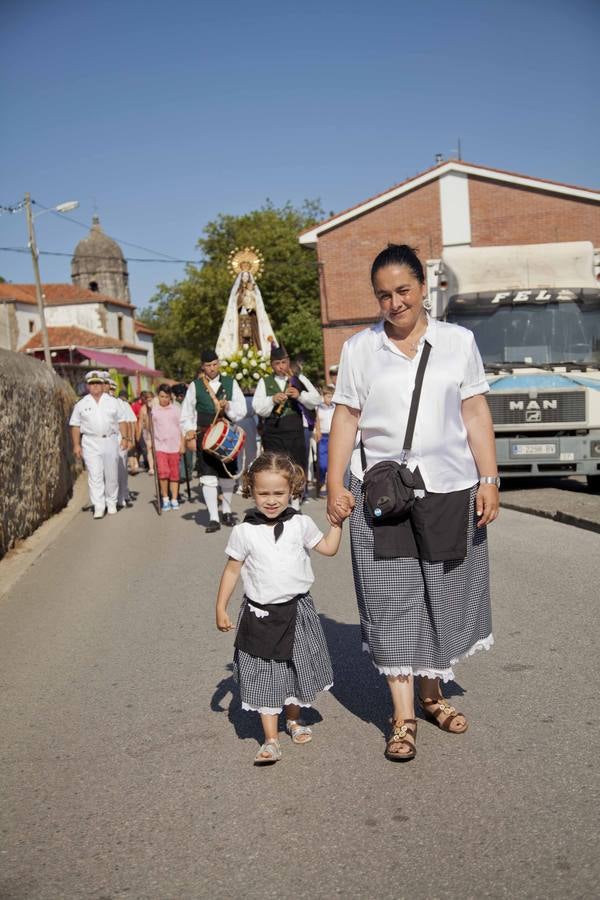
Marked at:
<point>160,115</point>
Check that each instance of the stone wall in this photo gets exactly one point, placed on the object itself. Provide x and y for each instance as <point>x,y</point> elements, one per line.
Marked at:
<point>37,467</point>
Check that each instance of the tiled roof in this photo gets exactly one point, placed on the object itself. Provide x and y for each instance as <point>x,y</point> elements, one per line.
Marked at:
<point>141,326</point>
<point>58,295</point>
<point>72,336</point>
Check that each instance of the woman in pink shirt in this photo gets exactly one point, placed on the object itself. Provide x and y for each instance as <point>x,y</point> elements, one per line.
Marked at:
<point>168,440</point>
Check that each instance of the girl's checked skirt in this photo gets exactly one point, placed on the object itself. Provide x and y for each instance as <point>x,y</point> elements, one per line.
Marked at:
<point>419,617</point>
<point>267,685</point>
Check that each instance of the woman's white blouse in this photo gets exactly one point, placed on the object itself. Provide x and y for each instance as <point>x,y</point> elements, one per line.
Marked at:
<point>275,572</point>
<point>376,378</point>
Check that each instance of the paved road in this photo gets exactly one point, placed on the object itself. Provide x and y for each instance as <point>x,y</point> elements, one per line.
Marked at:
<point>126,764</point>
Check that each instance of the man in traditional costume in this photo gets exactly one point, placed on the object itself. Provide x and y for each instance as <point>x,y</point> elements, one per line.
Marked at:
<point>280,399</point>
<point>208,397</point>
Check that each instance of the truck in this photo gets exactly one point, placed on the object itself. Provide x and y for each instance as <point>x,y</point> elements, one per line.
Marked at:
<point>535,312</point>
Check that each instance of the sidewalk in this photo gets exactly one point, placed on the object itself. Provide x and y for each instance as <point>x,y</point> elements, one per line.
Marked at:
<point>565,500</point>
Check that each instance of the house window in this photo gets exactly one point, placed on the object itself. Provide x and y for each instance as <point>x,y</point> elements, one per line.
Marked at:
<point>93,286</point>
<point>120,327</point>
<point>31,326</point>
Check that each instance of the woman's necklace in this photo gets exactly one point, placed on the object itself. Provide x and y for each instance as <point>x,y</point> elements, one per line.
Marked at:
<point>411,345</point>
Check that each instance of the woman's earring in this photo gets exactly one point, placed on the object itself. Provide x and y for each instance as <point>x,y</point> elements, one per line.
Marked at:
<point>427,304</point>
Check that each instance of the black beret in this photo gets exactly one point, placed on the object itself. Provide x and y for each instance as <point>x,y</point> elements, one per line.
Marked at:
<point>278,353</point>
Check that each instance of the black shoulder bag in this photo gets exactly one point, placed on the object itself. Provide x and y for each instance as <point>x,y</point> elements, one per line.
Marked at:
<point>389,487</point>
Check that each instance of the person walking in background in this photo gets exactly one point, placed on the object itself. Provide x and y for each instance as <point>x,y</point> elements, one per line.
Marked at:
<point>168,445</point>
<point>281,659</point>
<point>280,399</point>
<point>322,428</point>
<point>98,428</point>
<point>123,499</point>
<point>211,396</point>
<point>422,578</point>
<point>143,430</point>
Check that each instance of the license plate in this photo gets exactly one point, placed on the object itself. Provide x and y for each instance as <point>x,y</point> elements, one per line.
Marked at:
<point>533,450</point>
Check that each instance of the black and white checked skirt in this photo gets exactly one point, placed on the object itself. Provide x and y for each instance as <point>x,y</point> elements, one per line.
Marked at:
<point>419,617</point>
<point>267,685</point>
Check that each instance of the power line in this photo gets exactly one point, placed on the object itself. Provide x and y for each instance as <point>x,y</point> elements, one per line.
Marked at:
<point>70,218</point>
<point>191,262</point>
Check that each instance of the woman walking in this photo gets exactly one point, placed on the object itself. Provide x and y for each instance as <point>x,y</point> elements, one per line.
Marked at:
<point>422,580</point>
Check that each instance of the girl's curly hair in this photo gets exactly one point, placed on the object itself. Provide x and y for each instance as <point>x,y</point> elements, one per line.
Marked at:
<point>274,462</point>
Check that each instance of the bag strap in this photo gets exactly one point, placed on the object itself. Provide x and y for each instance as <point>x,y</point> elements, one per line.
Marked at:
<point>414,408</point>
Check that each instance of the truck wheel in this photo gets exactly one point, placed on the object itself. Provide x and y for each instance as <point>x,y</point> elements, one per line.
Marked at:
<point>593,483</point>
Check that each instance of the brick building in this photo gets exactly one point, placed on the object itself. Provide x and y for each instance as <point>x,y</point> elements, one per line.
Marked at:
<point>454,204</point>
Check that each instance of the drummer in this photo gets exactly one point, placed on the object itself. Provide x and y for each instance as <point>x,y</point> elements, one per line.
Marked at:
<point>211,396</point>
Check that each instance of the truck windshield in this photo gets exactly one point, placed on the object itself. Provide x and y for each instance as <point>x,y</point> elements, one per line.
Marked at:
<point>533,334</point>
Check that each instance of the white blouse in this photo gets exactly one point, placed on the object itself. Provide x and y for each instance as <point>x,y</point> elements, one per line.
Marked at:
<point>275,572</point>
<point>376,378</point>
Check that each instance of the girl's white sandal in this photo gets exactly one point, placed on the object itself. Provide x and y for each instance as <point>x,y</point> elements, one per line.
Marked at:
<point>299,733</point>
<point>273,749</point>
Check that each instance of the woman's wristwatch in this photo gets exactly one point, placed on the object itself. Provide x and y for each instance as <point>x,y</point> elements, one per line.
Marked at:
<point>490,479</point>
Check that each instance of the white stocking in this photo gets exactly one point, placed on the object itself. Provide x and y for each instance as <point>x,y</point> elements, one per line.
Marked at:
<point>210,498</point>
<point>227,485</point>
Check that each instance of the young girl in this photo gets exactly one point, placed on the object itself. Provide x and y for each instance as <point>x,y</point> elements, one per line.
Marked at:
<point>166,421</point>
<point>281,658</point>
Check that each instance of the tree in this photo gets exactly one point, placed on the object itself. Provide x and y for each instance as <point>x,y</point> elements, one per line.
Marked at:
<point>188,314</point>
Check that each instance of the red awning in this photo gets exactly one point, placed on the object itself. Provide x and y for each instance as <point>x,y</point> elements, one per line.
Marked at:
<point>117,361</point>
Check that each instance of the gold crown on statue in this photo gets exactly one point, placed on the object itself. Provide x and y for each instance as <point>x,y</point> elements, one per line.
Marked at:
<point>249,259</point>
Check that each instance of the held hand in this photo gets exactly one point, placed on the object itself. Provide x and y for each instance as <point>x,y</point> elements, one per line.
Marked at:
<point>339,506</point>
<point>224,623</point>
<point>124,443</point>
<point>279,398</point>
<point>223,405</point>
<point>487,504</point>
<point>293,392</point>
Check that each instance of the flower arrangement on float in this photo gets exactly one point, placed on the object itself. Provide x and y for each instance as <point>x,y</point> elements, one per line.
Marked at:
<point>247,365</point>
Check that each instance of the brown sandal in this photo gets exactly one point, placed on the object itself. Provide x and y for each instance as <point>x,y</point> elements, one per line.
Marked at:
<point>404,731</point>
<point>442,714</point>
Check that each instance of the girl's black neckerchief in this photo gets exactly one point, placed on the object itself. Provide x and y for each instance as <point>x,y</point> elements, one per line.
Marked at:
<point>254,517</point>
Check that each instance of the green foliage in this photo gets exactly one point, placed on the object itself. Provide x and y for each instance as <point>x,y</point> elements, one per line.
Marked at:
<point>187,315</point>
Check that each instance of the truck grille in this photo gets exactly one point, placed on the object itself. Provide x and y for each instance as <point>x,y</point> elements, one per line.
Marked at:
<point>546,407</point>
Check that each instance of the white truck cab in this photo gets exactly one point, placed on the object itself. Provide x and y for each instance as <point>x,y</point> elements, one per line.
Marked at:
<point>535,313</point>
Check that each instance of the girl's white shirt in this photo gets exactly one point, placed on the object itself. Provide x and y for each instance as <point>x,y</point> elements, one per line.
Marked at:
<point>376,378</point>
<point>274,572</point>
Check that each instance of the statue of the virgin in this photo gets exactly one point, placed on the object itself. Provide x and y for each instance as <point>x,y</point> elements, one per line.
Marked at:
<point>246,320</point>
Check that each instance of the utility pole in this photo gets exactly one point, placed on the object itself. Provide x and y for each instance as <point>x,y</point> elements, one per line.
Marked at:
<point>38,284</point>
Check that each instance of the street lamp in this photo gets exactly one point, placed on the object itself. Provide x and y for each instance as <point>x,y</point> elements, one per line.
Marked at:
<point>61,208</point>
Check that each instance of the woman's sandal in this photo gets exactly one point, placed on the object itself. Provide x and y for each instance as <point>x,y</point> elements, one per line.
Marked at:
<point>442,714</point>
<point>299,733</point>
<point>404,732</point>
<point>273,750</point>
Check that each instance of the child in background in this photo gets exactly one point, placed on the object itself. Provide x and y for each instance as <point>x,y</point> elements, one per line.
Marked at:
<point>168,439</point>
<point>323,427</point>
<point>281,659</point>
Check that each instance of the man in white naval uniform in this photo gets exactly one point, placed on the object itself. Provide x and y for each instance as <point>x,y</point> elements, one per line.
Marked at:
<point>123,499</point>
<point>98,428</point>
<point>209,392</point>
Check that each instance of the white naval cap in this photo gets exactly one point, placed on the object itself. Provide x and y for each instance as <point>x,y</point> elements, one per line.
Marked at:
<point>94,377</point>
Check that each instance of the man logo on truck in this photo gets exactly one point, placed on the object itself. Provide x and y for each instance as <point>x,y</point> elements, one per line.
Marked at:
<point>533,404</point>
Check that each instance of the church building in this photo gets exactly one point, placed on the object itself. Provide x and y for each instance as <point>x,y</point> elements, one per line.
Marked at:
<point>91,322</point>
